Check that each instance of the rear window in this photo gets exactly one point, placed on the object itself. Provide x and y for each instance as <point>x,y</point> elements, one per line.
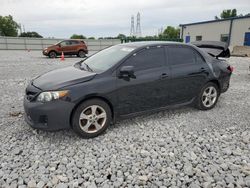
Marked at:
<point>73,42</point>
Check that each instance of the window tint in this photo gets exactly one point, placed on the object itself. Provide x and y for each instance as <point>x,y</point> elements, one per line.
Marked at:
<point>147,59</point>
<point>73,42</point>
<point>181,55</point>
<point>65,43</point>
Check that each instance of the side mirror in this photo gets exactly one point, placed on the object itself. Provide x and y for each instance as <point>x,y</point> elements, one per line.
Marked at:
<point>127,72</point>
<point>59,45</point>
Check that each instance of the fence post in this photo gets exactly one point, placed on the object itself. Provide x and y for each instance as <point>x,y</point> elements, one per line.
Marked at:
<point>6,43</point>
<point>42,43</point>
<point>25,44</point>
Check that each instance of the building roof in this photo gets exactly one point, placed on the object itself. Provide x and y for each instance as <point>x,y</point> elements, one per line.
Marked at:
<point>212,21</point>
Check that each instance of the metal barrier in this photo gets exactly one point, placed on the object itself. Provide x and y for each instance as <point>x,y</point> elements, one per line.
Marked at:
<point>24,43</point>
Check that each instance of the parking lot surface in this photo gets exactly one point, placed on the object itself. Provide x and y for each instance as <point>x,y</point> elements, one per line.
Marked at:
<point>183,147</point>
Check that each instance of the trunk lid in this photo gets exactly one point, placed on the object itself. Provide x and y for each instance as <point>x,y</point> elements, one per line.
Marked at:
<point>214,48</point>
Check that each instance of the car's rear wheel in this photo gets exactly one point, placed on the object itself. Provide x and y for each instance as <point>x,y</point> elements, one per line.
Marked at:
<point>52,54</point>
<point>208,96</point>
<point>91,118</point>
<point>81,54</point>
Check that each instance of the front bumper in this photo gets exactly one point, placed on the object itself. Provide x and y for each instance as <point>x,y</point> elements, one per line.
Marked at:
<point>45,52</point>
<point>54,115</point>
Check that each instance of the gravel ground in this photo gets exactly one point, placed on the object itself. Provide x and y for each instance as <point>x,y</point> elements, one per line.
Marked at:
<point>174,148</point>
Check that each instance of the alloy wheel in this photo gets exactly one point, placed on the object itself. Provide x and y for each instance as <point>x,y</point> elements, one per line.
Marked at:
<point>52,55</point>
<point>81,54</point>
<point>209,96</point>
<point>92,119</point>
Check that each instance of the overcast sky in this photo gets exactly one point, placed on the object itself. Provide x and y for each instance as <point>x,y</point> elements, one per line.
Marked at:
<point>62,18</point>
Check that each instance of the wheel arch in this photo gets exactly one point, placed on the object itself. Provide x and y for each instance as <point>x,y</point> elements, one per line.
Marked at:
<point>52,51</point>
<point>216,82</point>
<point>82,49</point>
<point>89,98</point>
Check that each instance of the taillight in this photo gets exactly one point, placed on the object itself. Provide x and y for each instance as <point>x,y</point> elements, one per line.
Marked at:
<point>230,68</point>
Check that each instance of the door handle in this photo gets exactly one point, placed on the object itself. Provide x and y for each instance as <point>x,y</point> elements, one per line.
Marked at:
<point>164,75</point>
<point>202,69</point>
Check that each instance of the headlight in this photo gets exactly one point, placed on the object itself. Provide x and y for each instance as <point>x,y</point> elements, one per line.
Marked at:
<point>51,95</point>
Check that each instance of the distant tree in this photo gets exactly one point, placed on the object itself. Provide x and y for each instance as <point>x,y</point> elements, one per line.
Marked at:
<point>100,38</point>
<point>91,38</point>
<point>121,36</point>
<point>8,27</point>
<point>31,34</point>
<point>75,36</point>
<point>170,32</point>
<point>228,13</point>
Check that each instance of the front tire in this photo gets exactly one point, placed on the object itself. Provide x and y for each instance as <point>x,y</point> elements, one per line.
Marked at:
<point>81,54</point>
<point>91,118</point>
<point>208,96</point>
<point>52,54</point>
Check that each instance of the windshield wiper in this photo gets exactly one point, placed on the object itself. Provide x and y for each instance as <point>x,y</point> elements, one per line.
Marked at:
<point>91,70</point>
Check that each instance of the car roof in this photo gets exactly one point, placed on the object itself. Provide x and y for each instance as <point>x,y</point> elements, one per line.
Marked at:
<point>151,43</point>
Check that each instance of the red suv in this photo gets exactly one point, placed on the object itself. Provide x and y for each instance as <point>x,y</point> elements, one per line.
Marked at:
<point>68,47</point>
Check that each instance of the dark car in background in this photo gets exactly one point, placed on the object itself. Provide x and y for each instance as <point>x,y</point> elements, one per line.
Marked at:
<point>123,81</point>
<point>68,47</point>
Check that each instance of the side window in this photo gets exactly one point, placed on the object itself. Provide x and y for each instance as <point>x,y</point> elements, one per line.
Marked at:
<point>181,55</point>
<point>147,59</point>
<point>65,43</point>
<point>73,42</point>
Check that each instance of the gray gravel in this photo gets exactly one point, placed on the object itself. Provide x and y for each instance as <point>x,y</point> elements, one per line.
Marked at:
<point>174,148</point>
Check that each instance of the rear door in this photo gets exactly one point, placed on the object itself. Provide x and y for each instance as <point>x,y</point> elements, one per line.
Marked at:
<point>65,47</point>
<point>74,46</point>
<point>188,73</point>
<point>150,88</point>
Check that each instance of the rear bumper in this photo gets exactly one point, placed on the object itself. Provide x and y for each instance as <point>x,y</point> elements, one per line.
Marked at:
<point>224,84</point>
<point>51,116</point>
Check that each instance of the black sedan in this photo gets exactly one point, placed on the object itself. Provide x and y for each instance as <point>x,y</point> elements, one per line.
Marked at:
<point>123,81</point>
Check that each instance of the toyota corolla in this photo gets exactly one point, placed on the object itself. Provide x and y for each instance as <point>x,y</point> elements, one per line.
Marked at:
<point>123,81</point>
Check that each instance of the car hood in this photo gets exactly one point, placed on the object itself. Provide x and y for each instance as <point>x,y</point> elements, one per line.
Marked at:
<point>59,78</point>
<point>52,46</point>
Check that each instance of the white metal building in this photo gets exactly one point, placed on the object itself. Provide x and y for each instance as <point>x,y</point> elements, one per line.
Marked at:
<point>235,31</point>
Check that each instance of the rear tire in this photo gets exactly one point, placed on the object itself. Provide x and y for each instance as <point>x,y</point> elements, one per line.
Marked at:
<point>208,96</point>
<point>91,118</point>
<point>52,54</point>
<point>81,54</point>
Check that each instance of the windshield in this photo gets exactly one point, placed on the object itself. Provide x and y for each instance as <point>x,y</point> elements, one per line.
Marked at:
<point>106,58</point>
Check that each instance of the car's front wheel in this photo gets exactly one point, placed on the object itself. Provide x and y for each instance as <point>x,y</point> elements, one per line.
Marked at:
<point>91,118</point>
<point>81,54</point>
<point>52,54</point>
<point>208,96</point>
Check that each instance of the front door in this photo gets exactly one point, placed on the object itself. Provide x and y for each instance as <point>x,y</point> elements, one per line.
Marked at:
<point>65,47</point>
<point>149,88</point>
<point>247,39</point>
